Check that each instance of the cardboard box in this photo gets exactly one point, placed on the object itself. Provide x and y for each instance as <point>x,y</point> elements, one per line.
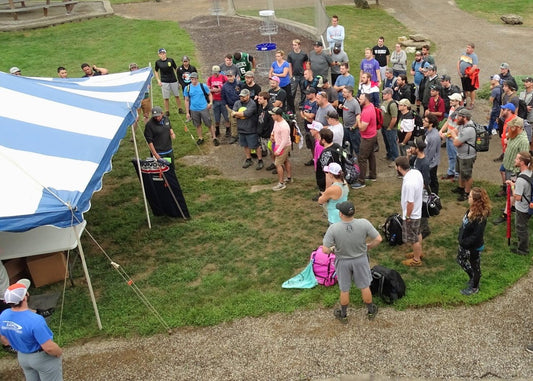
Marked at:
<point>47,268</point>
<point>16,269</point>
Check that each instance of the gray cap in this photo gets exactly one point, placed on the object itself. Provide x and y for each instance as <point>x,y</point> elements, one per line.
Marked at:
<point>249,74</point>
<point>244,93</point>
<point>157,111</point>
<point>193,75</point>
<point>464,112</point>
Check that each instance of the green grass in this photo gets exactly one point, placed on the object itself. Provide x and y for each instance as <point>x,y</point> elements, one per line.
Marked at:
<point>491,10</point>
<point>230,259</point>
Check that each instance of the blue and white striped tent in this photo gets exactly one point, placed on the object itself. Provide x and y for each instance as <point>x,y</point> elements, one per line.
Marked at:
<point>57,139</point>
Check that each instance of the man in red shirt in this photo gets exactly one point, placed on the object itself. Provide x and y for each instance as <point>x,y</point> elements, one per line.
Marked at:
<point>366,122</point>
<point>215,83</point>
<point>436,104</point>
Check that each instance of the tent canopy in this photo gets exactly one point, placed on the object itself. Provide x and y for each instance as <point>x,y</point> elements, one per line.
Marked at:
<point>57,138</point>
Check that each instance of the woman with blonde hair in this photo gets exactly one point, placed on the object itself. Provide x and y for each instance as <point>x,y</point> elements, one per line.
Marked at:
<point>335,193</point>
<point>281,69</point>
<point>470,238</point>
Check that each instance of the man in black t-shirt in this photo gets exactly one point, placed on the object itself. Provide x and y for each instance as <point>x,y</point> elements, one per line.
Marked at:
<point>167,80</point>
<point>381,54</point>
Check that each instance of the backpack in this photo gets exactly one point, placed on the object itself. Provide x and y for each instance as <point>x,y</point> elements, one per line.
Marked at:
<point>387,284</point>
<point>392,229</point>
<point>530,198</point>
<point>206,95</point>
<point>379,117</point>
<point>412,97</point>
<point>432,206</point>
<point>482,138</point>
<point>324,267</point>
<point>419,125</point>
<point>522,104</point>
<point>349,166</point>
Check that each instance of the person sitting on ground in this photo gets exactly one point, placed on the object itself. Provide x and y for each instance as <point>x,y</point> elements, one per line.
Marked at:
<point>335,193</point>
<point>351,239</point>
<point>470,238</point>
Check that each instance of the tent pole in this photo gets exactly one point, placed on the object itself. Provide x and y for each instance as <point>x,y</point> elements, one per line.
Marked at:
<point>88,278</point>
<point>141,178</point>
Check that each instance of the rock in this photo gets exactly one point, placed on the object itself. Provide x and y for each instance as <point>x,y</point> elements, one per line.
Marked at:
<point>410,49</point>
<point>512,19</point>
<point>416,44</point>
<point>402,38</point>
<point>418,37</point>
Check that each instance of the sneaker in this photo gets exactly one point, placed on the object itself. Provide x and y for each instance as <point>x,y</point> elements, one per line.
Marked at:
<point>271,167</point>
<point>233,140</point>
<point>340,317</point>
<point>309,163</point>
<point>529,348</point>
<point>519,252</point>
<point>372,314</point>
<point>275,171</point>
<point>462,197</point>
<point>180,110</point>
<point>288,180</point>
<point>9,349</point>
<point>216,142</point>
<point>358,185</point>
<point>217,132</point>
<point>458,190</point>
<point>447,177</point>
<point>260,165</point>
<point>200,142</point>
<point>279,187</point>
<point>500,220</point>
<point>498,159</point>
<point>469,291</point>
<point>412,263</point>
<point>371,178</point>
<point>247,163</point>
<point>45,313</point>
<point>494,132</point>
<point>411,255</point>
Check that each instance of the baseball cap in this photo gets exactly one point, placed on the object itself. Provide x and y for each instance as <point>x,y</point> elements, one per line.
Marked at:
<point>14,70</point>
<point>346,208</point>
<point>157,111</point>
<point>275,110</point>
<point>249,74</point>
<point>504,65</point>
<point>456,97</point>
<point>162,50</point>
<point>464,112</point>
<point>417,143</point>
<point>432,67</point>
<point>509,106</point>
<point>17,291</point>
<point>337,45</point>
<point>404,102</point>
<point>185,59</point>
<point>518,122</point>
<point>445,77</point>
<point>495,77</point>
<point>317,126</point>
<point>133,65</point>
<point>333,168</point>
<point>310,90</point>
<point>193,75</point>
<point>215,69</point>
<point>230,72</point>
<point>274,78</point>
<point>434,87</point>
<point>527,79</point>
<point>318,43</point>
<point>244,93</point>
<point>509,84</point>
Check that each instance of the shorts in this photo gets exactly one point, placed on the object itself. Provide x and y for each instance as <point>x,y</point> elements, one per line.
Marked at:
<point>168,88</point>
<point>410,230</point>
<point>356,269</point>
<point>466,82</point>
<point>464,167</point>
<point>281,159</point>
<point>199,116</point>
<point>146,107</point>
<point>248,140</point>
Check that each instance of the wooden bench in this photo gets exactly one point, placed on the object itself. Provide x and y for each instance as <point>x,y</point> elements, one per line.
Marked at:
<point>68,4</point>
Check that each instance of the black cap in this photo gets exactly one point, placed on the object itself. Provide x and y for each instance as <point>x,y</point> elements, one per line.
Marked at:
<point>346,208</point>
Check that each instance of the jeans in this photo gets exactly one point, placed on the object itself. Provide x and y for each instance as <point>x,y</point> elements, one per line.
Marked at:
<point>522,232</point>
<point>367,158</point>
<point>391,142</point>
<point>492,121</point>
<point>451,150</point>
<point>354,137</point>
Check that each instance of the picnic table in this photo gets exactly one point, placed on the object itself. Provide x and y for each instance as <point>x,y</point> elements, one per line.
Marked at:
<point>19,6</point>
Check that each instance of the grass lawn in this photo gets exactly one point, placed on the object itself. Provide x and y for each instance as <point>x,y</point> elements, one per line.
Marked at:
<point>493,9</point>
<point>230,259</point>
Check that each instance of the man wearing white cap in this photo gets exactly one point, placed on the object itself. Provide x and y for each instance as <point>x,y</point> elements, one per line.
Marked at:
<point>38,355</point>
<point>495,100</point>
<point>14,71</point>
<point>335,193</point>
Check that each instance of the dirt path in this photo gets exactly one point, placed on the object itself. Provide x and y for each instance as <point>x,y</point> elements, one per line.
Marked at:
<point>485,341</point>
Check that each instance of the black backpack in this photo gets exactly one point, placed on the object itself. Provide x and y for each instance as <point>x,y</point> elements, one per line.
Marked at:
<point>419,125</point>
<point>412,96</point>
<point>392,229</point>
<point>482,138</point>
<point>387,284</point>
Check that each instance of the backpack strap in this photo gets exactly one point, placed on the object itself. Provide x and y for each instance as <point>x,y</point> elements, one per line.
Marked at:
<point>530,181</point>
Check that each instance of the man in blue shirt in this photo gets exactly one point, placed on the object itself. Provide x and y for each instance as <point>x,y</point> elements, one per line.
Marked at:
<point>198,102</point>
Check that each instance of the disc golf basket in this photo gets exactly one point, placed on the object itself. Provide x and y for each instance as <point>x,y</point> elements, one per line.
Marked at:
<point>216,10</point>
<point>265,56</point>
<point>268,25</point>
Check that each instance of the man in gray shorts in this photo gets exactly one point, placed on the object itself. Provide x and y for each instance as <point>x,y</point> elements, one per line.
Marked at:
<point>348,239</point>
<point>167,80</point>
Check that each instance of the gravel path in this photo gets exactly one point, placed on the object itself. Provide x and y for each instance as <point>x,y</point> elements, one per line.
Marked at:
<point>485,341</point>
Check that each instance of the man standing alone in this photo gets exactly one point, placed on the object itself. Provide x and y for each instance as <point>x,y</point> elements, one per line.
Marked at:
<point>466,67</point>
<point>348,239</point>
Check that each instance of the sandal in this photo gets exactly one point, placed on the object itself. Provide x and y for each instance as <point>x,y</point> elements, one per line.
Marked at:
<point>411,254</point>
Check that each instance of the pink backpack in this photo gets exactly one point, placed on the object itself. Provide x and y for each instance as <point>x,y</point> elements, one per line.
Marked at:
<point>324,267</point>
